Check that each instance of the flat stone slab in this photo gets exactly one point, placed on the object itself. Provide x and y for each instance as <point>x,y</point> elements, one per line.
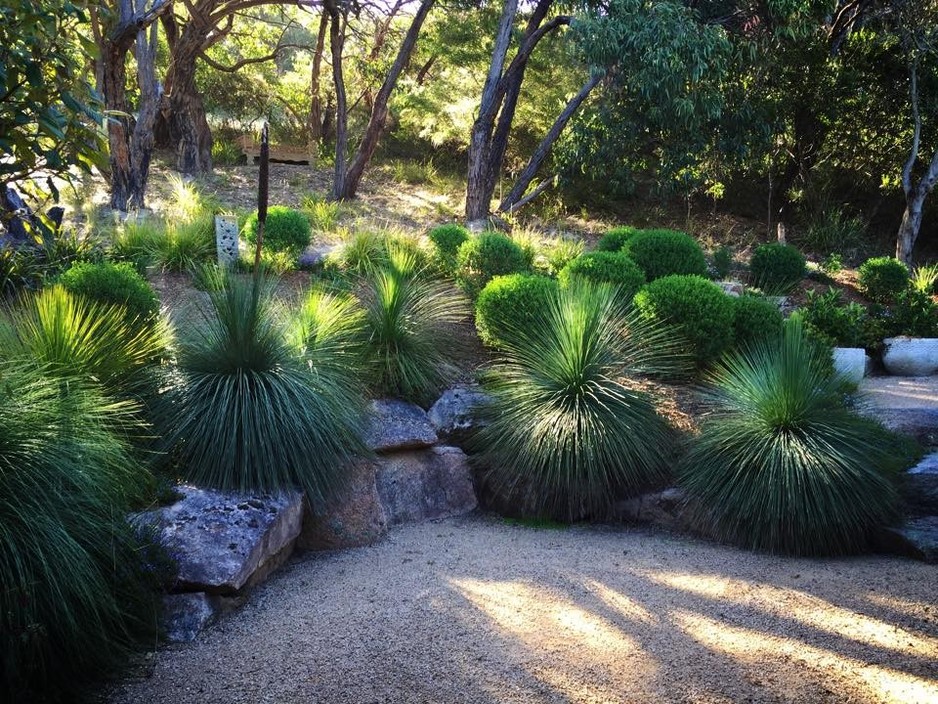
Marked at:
<point>455,415</point>
<point>922,485</point>
<point>917,538</point>
<point>395,425</point>
<point>904,404</point>
<point>226,541</point>
<point>427,484</point>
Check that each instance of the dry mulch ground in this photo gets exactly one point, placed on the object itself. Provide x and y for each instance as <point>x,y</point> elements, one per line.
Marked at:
<point>474,610</point>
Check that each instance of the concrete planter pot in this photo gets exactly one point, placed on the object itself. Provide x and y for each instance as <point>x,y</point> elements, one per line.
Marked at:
<point>910,356</point>
<point>850,363</point>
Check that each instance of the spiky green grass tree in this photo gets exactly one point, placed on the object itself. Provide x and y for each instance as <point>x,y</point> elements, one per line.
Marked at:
<point>568,432</point>
<point>244,411</point>
<point>409,321</point>
<point>781,465</point>
<point>77,591</point>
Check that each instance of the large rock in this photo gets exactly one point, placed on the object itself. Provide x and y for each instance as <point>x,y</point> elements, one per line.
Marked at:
<point>910,356</point>
<point>353,518</point>
<point>455,415</point>
<point>667,508</point>
<point>905,405</point>
<point>434,483</point>
<point>916,538</point>
<point>398,425</point>
<point>186,615</point>
<point>223,541</point>
<point>922,486</point>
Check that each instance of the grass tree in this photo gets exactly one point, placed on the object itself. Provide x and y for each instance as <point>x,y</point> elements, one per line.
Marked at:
<point>569,433</point>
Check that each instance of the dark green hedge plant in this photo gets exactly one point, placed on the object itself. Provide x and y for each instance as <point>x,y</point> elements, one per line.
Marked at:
<point>613,268</point>
<point>286,230</point>
<point>446,240</point>
<point>776,268</point>
<point>661,253</point>
<point>485,256</point>
<point>755,319</point>
<point>115,284</point>
<point>614,240</point>
<point>512,303</point>
<point>696,309</point>
<point>882,279</point>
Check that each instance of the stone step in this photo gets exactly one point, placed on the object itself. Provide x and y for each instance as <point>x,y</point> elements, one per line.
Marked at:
<point>916,538</point>
<point>905,404</point>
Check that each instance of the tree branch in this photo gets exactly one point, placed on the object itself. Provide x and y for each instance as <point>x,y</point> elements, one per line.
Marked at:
<point>917,132</point>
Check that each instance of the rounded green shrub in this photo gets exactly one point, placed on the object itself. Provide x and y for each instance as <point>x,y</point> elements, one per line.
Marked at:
<point>665,252</point>
<point>113,284</point>
<point>883,278</point>
<point>511,303</point>
<point>781,465</point>
<point>696,308</point>
<point>567,434</point>
<point>614,240</point>
<point>610,267</point>
<point>776,268</point>
<point>446,240</point>
<point>286,230</point>
<point>755,319</point>
<point>486,256</point>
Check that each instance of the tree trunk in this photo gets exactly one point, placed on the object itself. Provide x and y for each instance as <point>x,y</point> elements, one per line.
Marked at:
<point>336,42</point>
<point>114,75</point>
<point>478,194</point>
<point>908,229</point>
<point>315,104</point>
<point>182,108</point>
<point>514,197</point>
<point>141,147</point>
<point>379,111</point>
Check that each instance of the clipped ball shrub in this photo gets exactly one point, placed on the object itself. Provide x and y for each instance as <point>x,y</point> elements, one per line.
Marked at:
<point>696,308</point>
<point>511,303</point>
<point>755,319</point>
<point>114,284</point>
<point>661,253</point>
<point>776,268</point>
<point>883,278</point>
<point>287,230</point>
<point>446,240</point>
<point>615,239</point>
<point>610,267</point>
<point>782,465</point>
<point>486,256</point>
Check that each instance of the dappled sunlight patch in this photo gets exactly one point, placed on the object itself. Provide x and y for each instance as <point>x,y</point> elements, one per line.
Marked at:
<point>589,657</point>
<point>805,609</point>
<point>625,605</point>
<point>757,648</point>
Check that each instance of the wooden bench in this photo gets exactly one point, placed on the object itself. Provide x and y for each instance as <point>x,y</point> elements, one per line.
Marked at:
<point>289,154</point>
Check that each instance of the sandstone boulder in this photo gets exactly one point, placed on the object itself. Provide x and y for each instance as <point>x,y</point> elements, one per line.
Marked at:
<point>352,519</point>
<point>398,425</point>
<point>426,484</point>
<point>186,615</point>
<point>917,538</point>
<point>921,485</point>
<point>455,415</point>
<point>225,541</point>
<point>667,508</point>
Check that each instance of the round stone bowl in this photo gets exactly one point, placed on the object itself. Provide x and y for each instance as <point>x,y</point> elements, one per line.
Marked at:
<point>910,356</point>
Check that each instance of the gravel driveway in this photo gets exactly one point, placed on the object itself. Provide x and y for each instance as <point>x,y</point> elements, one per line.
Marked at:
<point>474,610</point>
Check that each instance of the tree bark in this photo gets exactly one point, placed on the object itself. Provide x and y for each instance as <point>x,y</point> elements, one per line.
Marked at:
<point>315,104</point>
<point>379,111</point>
<point>141,147</point>
<point>514,197</point>
<point>181,105</point>
<point>477,203</point>
<point>336,43</point>
<point>114,74</point>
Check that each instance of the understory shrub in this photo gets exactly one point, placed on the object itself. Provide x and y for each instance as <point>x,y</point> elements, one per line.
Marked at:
<point>328,331</point>
<point>409,321</point>
<point>115,284</point>
<point>186,245</point>
<point>286,230</point>
<point>755,319</point>
<point>613,268</point>
<point>446,240</point>
<point>830,229</point>
<point>661,253</point>
<point>782,465</point>
<point>696,309</point>
<point>77,591</point>
<point>485,256</point>
<point>512,303</point>
<point>924,277</point>
<point>722,260</point>
<point>561,252</point>
<point>776,268</point>
<point>243,410</point>
<point>914,313</point>
<point>137,242</point>
<point>828,319</point>
<point>614,240</point>
<point>882,279</point>
<point>567,435</point>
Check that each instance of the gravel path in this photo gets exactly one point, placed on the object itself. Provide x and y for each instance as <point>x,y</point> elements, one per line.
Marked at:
<point>473,610</point>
